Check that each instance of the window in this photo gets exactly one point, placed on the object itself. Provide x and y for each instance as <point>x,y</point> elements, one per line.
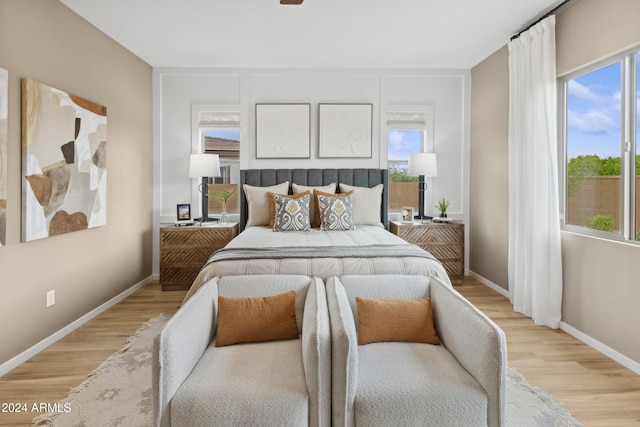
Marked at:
<point>218,131</point>
<point>406,134</point>
<point>600,165</point>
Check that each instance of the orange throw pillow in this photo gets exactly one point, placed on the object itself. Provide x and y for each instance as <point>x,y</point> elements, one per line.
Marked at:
<point>395,320</point>
<point>256,319</point>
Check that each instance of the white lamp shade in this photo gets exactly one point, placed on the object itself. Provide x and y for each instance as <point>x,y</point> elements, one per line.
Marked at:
<point>423,164</point>
<point>207,165</point>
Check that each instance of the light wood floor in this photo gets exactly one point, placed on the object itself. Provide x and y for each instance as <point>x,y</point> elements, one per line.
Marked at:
<point>594,388</point>
<point>598,391</point>
<point>48,376</point>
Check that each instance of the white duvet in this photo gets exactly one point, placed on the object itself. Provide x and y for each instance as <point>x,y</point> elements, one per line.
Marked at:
<point>323,267</point>
<point>266,237</point>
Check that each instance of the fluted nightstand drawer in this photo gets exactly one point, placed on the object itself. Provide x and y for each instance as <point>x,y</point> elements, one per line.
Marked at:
<point>443,241</point>
<point>185,250</point>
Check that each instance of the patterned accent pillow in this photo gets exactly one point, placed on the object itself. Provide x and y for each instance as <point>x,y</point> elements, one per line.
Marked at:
<point>336,211</point>
<point>292,214</point>
<point>272,205</point>
<point>313,205</point>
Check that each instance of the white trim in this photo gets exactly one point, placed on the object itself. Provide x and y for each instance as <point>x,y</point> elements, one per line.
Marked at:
<point>591,342</point>
<point>499,289</point>
<point>37,348</point>
<point>602,348</point>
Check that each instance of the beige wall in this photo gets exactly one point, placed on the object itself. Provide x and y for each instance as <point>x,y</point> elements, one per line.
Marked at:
<point>45,41</point>
<point>601,285</point>
<point>489,192</point>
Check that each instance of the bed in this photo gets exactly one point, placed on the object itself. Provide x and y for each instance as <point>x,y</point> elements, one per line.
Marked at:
<point>369,249</point>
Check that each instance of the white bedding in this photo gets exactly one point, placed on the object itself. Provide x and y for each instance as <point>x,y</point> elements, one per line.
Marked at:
<point>323,267</point>
<point>266,237</point>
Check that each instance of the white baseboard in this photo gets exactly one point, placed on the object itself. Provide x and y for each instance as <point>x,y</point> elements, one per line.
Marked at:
<point>499,289</point>
<point>591,342</point>
<point>602,348</point>
<point>37,348</point>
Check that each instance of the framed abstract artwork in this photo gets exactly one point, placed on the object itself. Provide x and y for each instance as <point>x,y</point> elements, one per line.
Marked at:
<point>283,131</point>
<point>345,130</point>
<point>64,162</point>
<point>4,107</point>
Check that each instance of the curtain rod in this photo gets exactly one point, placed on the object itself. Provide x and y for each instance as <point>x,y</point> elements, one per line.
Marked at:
<point>515,36</point>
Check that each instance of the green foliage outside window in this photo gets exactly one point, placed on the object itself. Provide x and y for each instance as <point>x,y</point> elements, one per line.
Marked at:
<point>604,223</point>
<point>399,175</point>
<point>601,222</point>
<point>587,166</point>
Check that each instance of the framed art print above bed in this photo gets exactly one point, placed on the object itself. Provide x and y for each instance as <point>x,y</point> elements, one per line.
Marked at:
<point>283,131</point>
<point>345,130</point>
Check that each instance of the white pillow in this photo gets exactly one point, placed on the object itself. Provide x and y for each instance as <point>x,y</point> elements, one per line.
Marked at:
<point>258,202</point>
<point>313,208</point>
<point>366,203</point>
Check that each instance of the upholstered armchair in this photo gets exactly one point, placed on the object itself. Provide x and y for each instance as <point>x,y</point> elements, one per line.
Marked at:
<point>460,382</point>
<point>280,382</point>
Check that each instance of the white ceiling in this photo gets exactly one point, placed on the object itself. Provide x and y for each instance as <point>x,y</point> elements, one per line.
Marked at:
<point>316,34</point>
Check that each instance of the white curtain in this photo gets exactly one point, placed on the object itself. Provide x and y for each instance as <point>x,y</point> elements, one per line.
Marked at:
<point>535,263</point>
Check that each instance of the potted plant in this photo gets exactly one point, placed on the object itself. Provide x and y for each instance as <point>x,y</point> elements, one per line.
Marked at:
<point>442,206</point>
<point>223,196</point>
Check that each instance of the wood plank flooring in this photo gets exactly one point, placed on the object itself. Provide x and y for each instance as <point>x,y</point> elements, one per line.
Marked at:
<point>597,390</point>
<point>48,376</point>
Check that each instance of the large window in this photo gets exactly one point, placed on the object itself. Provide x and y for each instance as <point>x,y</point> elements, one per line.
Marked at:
<point>402,187</point>
<point>407,133</point>
<point>226,144</point>
<point>600,165</point>
<point>218,132</point>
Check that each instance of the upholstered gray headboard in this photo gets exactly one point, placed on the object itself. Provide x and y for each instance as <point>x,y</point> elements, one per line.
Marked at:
<point>315,177</point>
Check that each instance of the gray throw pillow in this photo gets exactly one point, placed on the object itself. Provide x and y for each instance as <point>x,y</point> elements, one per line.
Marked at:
<point>292,214</point>
<point>336,212</point>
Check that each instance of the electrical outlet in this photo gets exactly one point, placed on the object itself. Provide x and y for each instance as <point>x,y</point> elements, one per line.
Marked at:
<point>51,298</point>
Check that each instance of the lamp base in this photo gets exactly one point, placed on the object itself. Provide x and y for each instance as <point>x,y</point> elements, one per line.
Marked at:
<point>423,218</point>
<point>206,219</point>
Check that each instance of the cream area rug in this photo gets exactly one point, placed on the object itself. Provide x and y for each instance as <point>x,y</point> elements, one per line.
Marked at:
<point>118,393</point>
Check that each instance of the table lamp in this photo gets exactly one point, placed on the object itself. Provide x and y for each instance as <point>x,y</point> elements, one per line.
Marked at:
<point>204,166</point>
<point>423,165</point>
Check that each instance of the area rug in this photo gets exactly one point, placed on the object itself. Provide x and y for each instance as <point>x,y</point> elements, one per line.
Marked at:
<point>118,393</point>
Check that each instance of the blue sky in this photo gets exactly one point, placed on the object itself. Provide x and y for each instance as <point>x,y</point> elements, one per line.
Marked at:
<point>594,113</point>
<point>402,143</point>
<point>233,134</point>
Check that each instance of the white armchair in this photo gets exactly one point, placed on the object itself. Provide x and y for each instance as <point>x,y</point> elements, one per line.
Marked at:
<point>285,382</point>
<point>458,383</point>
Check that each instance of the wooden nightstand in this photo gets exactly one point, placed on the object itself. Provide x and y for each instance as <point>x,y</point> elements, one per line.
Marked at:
<point>443,241</point>
<point>184,250</point>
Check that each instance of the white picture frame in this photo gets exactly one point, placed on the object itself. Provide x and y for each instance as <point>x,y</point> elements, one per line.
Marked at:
<point>345,130</point>
<point>283,131</point>
<point>407,214</point>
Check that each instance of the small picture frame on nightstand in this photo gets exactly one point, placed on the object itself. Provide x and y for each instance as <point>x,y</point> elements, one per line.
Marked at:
<point>407,214</point>
<point>183,214</point>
